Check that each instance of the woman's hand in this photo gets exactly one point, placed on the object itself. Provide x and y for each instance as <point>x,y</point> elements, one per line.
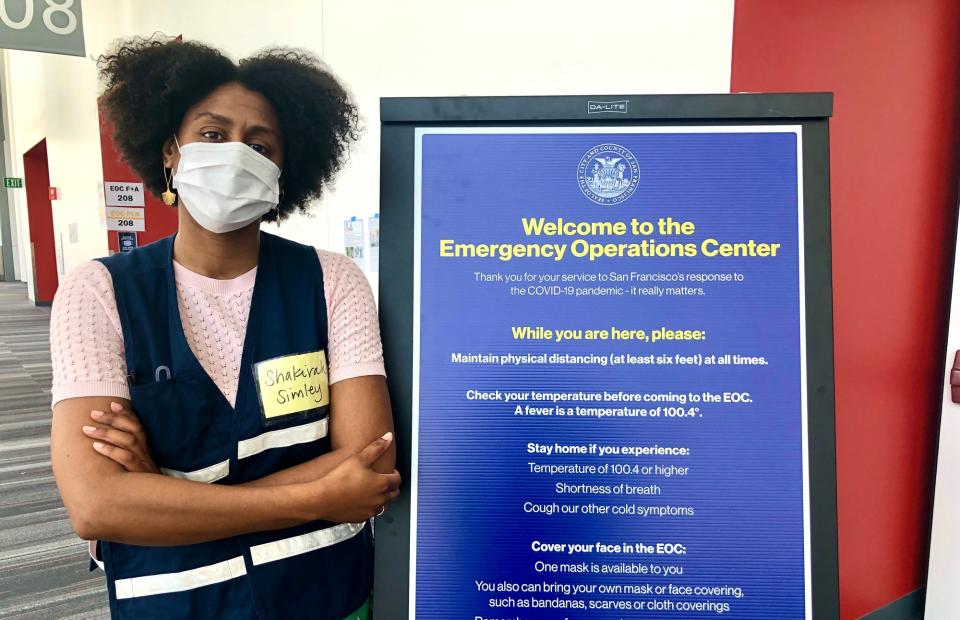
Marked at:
<point>119,436</point>
<point>353,492</point>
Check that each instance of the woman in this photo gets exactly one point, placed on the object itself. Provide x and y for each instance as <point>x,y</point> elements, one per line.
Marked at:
<point>221,421</point>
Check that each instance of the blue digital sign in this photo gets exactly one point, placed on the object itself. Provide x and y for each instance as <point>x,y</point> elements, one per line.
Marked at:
<point>609,374</point>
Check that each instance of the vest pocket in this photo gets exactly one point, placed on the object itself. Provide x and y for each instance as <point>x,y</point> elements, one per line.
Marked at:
<point>188,431</point>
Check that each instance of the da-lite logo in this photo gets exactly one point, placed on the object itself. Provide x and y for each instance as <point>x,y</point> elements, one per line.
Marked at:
<point>608,174</point>
<point>599,107</point>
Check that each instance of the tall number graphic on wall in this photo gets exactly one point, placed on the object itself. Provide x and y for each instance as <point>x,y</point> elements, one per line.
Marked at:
<point>53,8</point>
<point>42,25</point>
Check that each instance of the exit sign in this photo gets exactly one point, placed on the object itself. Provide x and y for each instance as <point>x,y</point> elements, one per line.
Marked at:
<point>12,182</point>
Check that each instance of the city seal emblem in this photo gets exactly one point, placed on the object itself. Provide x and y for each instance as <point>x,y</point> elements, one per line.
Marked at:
<point>608,174</point>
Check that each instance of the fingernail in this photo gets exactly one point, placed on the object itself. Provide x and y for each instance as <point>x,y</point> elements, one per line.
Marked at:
<point>388,436</point>
<point>89,429</point>
<point>97,414</point>
<point>116,407</point>
<point>97,445</point>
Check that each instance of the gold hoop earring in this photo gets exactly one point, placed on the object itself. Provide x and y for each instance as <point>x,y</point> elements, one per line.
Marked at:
<point>168,197</point>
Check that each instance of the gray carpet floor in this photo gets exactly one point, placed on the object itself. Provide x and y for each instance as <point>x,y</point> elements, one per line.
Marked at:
<point>43,565</point>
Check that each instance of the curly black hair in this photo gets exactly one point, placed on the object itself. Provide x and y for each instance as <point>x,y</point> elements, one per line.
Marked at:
<point>150,83</point>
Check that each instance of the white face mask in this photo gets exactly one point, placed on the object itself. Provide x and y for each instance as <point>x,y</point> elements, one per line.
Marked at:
<point>226,185</point>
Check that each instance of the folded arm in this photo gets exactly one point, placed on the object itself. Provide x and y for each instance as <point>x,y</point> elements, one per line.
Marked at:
<point>106,501</point>
<point>360,412</point>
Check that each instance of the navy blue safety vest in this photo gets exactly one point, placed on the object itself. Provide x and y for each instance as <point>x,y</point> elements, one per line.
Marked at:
<point>318,570</point>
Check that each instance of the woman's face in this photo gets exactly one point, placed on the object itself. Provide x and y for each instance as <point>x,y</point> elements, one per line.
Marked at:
<point>231,113</point>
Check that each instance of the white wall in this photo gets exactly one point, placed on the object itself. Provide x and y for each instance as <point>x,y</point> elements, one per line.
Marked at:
<point>55,97</point>
<point>510,47</point>
<point>9,171</point>
<point>379,48</point>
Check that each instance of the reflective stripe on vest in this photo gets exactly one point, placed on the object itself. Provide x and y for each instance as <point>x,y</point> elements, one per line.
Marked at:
<point>289,547</point>
<point>213,473</point>
<point>150,585</point>
<point>283,438</point>
<point>179,582</point>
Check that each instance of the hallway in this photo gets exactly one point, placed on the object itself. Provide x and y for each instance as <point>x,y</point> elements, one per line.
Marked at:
<point>43,565</point>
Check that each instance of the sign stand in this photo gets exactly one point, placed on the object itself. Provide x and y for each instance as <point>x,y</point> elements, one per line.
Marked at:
<point>607,324</point>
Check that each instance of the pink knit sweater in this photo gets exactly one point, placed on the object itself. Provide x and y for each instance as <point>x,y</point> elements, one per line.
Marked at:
<point>86,342</point>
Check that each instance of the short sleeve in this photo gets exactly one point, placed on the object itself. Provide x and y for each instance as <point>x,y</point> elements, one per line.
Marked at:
<point>354,348</point>
<point>86,341</point>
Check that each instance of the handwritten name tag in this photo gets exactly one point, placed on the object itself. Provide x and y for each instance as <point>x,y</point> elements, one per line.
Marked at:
<point>292,383</point>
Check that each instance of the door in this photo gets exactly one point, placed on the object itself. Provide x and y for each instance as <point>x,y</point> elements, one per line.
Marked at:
<point>943,596</point>
<point>36,180</point>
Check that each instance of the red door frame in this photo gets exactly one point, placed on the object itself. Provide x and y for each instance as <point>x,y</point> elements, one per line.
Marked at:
<point>36,180</point>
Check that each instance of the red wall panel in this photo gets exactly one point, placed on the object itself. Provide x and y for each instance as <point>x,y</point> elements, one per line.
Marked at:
<point>159,219</point>
<point>893,67</point>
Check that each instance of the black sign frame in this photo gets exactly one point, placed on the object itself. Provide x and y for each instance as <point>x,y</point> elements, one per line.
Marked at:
<point>400,117</point>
